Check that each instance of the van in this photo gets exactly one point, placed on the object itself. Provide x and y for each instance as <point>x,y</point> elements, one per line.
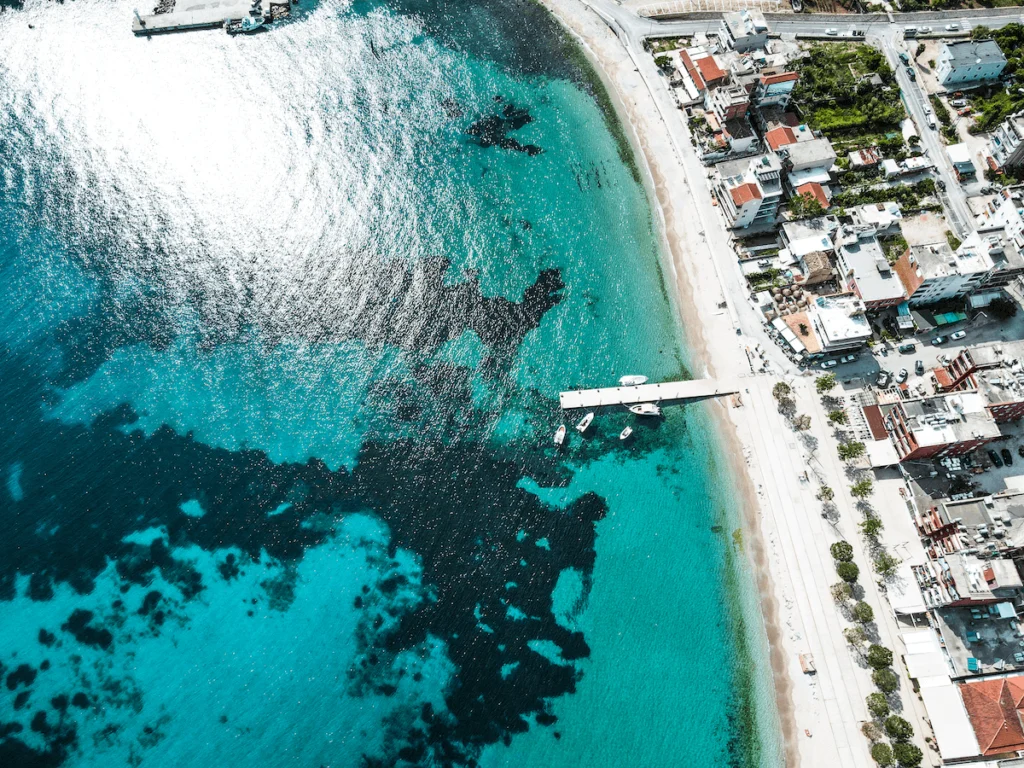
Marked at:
<point>910,32</point>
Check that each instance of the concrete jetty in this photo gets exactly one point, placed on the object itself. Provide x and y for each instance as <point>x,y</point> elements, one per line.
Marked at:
<point>208,14</point>
<point>695,389</point>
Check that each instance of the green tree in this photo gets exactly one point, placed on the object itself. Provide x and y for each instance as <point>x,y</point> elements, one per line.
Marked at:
<point>781,390</point>
<point>855,636</point>
<point>882,753</point>
<point>848,572</point>
<point>907,755</point>
<point>837,416</point>
<point>851,450</point>
<point>663,62</point>
<point>1002,309</point>
<point>826,494</point>
<point>862,489</point>
<point>886,564</point>
<point>885,680</point>
<point>863,612</point>
<point>802,422</point>
<point>825,383</point>
<point>879,657</point>
<point>871,527</point>
<point>878,705</point>
<point>805,206</point>
<point>842,551</point>
<point>898,729</point>
<point>841,591</point>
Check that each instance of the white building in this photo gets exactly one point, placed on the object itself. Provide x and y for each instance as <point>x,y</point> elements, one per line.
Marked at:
<point>744,30</point>
<point>969,62</point>
<point>933,273</point>
<point>1007,142</point>
<point>864,270</point>
<point>751,199</point>
<point>839,322</point>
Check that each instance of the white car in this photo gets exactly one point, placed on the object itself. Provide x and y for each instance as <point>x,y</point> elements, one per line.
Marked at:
<point>958,335</point>
<point>952,27</point>
<point>829,364</point>
<point>848,359</point>
<point>902,375</point>
<point>832,31</point>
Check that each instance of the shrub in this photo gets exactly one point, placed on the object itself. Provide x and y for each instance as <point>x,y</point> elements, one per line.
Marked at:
<point>879,657</point>
<point>885,680</point>
<point>878,705</point>
<point>954,241</point>
<point>855,636</point>
<point>842,551</point>
<point>826,494</point>
<point>848,572</point>
<point>882,753</point>
<point>871,732</point>
<point>663,62</point>
<point>863,612</point>
<point>898,729</point>
<point>907,755</point>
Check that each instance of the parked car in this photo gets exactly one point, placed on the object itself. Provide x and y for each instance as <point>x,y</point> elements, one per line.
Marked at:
<point>964,111</point>
<point>829,364</point>
<point>944,359</point>
<point>857,32</point>
<point>911,73</point>
<point>958,103</point>
<point>848,359</point>
<point>904,58</point>
<point>926,30</point>
<point>1007,458</point>
<point>882,380</point>
<point>832,31</point>
<point>994,457</point>
<point>958,335</point>
<point>919,368</point>
<point>907,348</point>
<point>1020,451</point>
<point>941,184</point>
<point>939,340</point>
<point>902,376</point>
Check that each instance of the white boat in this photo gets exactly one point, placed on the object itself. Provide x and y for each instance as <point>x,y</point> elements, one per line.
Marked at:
<point>582,426</point>
<point>625,433</point>
<point>560,435</point>
<point>244,25</point>
<point>632,381</point>
<point>645,409</point>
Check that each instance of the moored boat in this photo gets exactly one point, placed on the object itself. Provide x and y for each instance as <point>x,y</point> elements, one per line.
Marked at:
<point>585,422</point>
<point>625,433</point>
<point>645,409</point>
<point>560,435</point>
<point>632,381</point>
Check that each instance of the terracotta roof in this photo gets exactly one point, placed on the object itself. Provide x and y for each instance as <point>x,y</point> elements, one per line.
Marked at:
<point>780,137</point>
<point>942,378</point>
<point>782,77</point>
<point>814,189</point>
<point>994,709</point>
<point>709,69</point>
<point>692,70</point>
<point>744,193</point>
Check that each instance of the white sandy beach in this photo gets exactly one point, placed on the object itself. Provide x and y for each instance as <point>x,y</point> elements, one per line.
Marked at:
<point>786,538</point>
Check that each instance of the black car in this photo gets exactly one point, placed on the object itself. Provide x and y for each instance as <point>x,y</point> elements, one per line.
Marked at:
<point>1020,451</point>
<point>1007,458</point>
<point>941,184</point>
<point>995,458</point>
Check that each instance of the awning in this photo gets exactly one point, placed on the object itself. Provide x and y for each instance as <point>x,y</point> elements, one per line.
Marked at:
<point>1006,611</point>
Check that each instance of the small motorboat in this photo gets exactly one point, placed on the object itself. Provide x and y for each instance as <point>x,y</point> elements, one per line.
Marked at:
<point>560,435</point>
<point>645,409</point>
<point>244,25</point>
<point>585,422</point>
<point>625,433</point>
<point>632,381</point>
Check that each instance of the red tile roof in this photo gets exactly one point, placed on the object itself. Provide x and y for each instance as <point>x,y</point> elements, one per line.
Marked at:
<point>994,709</point>
<point>691,68</point>
<point>709,69</point>
<point>814,189</point>
<point>780,137</point>
<point>782,77</point>
<point>876,422</point>
<point>744,193</point>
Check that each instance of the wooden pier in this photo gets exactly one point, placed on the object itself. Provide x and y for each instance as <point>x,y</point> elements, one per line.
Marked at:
<point>203,14</point>
<point>695,389</point>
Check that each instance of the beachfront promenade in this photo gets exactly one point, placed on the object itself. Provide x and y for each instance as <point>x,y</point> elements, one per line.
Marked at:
<point>667,391</point>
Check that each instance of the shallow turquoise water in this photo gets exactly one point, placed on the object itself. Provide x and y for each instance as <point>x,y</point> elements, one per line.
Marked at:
<point>284,323</point>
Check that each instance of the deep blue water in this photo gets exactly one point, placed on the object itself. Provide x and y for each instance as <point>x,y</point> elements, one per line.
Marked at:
<point>283,326</point>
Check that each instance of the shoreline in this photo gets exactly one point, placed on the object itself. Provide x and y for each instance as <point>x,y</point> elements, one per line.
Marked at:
<point>697,330</point>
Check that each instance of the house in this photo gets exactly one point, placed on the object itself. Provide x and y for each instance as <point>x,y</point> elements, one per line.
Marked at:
<point>994,371</point>
<point>995,707</point>
<point>969,62</point>
<point>728,102</point>
<point>1007,142</point>
<point>864,158</point>
<point>839,323</point>
<point>751,199</point>
<point>960,156</point>
<point>864,270</point>
<point>779,137</point>
<point>940,426</point>
<point>816,268</point>
<point>744,30</point>
<point>807,161</point>
<point>774,89</point>
<point>881,218</point>
<point>800,238</point>
<point>933,273</point>
<point>816,191</point>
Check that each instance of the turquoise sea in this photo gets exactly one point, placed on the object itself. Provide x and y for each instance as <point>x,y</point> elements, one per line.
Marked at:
<point>284,319</point>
